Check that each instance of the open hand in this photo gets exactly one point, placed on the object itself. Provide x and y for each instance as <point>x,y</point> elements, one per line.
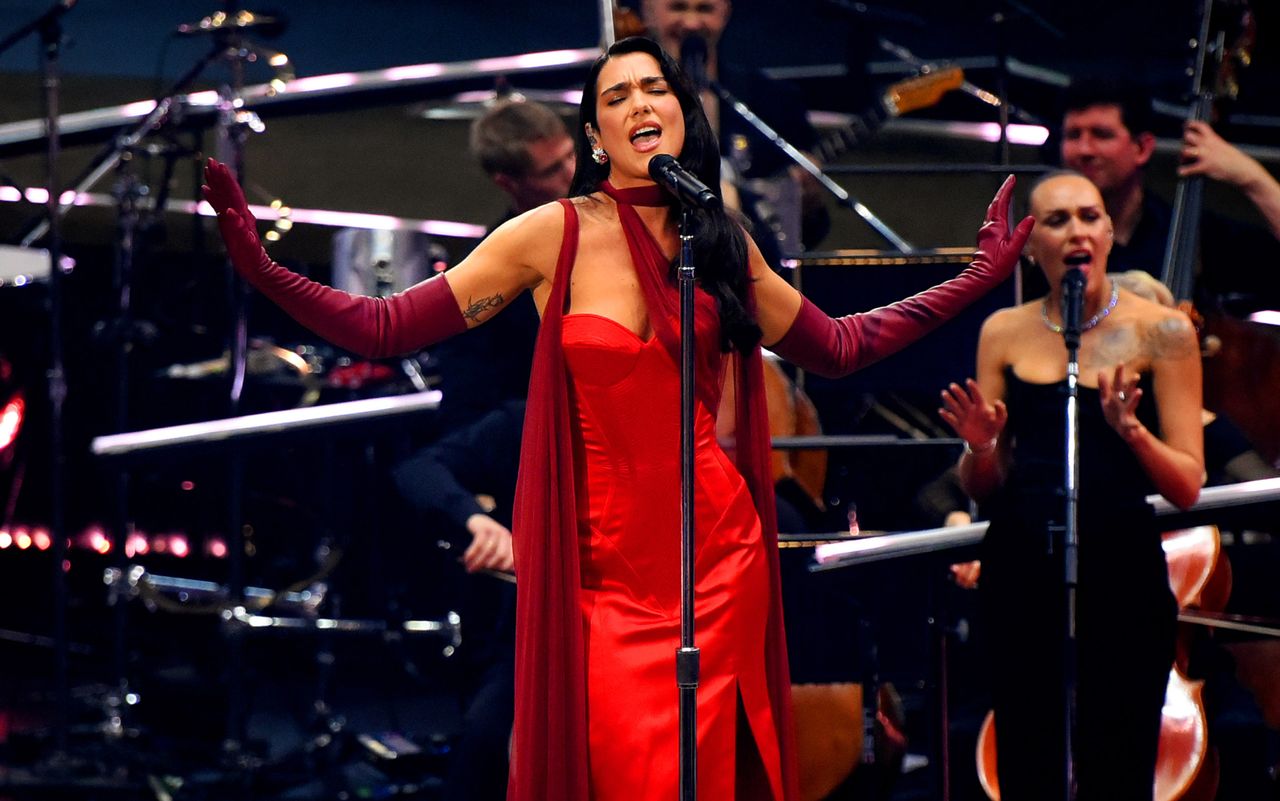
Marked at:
<point>998,247</point>
<point>967,411</point>
<point>223,191</point>
<point>1120,394</point>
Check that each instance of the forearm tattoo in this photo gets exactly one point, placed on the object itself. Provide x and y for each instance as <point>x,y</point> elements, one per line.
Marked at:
<point>477,306</point>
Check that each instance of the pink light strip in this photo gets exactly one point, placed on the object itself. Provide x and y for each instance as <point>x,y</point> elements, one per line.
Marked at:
<point>327,217</point>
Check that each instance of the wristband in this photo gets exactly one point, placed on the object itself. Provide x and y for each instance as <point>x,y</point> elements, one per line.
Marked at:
<point>985,447</point>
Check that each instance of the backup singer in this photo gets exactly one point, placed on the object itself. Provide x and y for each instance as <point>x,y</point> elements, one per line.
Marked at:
<point>1140,432</point>
<point>596,523</point>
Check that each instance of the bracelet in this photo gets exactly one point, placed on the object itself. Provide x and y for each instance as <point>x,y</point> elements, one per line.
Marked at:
<point>985,447</point>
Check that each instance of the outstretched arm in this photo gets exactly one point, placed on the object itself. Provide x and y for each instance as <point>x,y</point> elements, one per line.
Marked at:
<point>815,342</point>
<point>1208,154</point>
<point>374,327</point>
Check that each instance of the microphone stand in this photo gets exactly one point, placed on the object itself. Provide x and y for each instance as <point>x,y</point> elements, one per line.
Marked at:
<point>1072,302</point>
<point>688,659</point>
<point>836,190</point>
<point>49,24</point>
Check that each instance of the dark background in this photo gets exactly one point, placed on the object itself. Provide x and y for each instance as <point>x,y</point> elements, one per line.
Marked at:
<point>389,158</point>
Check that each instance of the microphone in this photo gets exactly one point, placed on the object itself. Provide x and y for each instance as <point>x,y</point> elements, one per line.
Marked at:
<point>668,173</point>
<point>268,26</point>
<point>1073,299</point>
<point>693,60</point>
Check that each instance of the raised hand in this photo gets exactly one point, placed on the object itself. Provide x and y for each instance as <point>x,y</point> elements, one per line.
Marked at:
<point>998,247</point>
<point>1119,395</point>
<point>235,221</point>
<point>975,420</point>
<point>830,348</point>
<point>222,190</point>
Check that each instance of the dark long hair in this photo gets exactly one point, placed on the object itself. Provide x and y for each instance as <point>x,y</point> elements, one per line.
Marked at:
<point>719,246</point>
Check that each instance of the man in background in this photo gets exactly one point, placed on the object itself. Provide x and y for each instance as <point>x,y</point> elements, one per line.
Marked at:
<point>1107,136</point>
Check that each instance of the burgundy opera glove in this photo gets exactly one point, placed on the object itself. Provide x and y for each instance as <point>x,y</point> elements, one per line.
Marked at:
<point>372,327</point>
<point>836,347</point>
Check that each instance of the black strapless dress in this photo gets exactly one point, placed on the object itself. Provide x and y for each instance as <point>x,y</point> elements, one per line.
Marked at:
<point>1126,614</point>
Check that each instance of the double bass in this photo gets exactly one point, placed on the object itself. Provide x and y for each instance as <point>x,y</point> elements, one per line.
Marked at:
<point>1241,358</point>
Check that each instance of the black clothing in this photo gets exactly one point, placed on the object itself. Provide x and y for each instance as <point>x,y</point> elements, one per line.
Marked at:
<point>781,108</point>
<point>754,157</point>
<point>442,478</point>
<point>1237,259</point>
<point>481,457</point>
<point>1126,613</point>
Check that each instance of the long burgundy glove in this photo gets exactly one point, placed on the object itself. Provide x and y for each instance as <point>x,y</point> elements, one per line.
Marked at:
<point>372,327</point>
<point>836,347</point>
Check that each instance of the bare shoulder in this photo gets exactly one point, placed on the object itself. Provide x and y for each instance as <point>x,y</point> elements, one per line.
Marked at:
<point>1163,333</point>
<point>1009,322</point>
<point>531,240</point>
<point>1171,335</point>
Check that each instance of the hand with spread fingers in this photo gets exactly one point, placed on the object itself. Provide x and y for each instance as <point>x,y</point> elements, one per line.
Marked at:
<point>1120,394</point>
<point>973,418</point>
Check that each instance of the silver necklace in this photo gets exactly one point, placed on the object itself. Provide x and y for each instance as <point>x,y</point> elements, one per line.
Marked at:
<point>1091,322</point>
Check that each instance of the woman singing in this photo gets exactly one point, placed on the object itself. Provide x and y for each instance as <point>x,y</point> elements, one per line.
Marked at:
<point>1139,432</point>
<point>597,518</point>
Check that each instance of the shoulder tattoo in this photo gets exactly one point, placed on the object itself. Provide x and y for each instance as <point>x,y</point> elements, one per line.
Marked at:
<point>1171,338</point>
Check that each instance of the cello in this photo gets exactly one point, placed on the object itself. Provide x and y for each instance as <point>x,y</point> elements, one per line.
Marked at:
<point>1186,766</point>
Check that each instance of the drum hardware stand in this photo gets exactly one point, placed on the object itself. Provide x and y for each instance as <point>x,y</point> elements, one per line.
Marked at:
<point>232,127</point>
<point>174,593</point>
<point>190,596</point>
<point>49,26</point>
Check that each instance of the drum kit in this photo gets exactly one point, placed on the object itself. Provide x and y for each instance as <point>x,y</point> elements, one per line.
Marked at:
<point>277,388</point>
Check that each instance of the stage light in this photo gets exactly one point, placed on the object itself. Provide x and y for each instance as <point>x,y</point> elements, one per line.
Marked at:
<point>99,541</point>
<point>11,420</point>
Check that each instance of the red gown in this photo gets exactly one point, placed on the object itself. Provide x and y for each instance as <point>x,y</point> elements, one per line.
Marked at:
<point>624,400</point>
<point>597,551</point>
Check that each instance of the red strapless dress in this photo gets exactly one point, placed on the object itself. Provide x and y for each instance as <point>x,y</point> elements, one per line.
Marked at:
<point>624,403</point>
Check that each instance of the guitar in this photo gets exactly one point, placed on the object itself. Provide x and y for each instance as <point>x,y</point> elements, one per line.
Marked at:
<point>773,203</point>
